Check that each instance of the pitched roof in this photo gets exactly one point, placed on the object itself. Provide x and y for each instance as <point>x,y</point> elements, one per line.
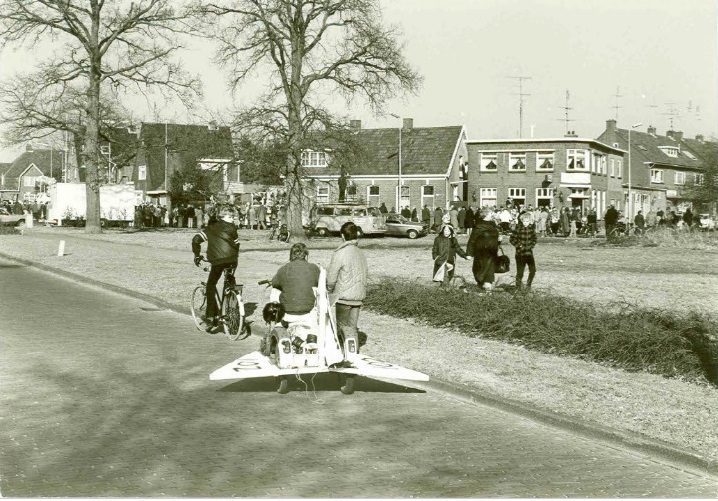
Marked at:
<point>186,145</point>
<point>40,158</point>
<point>647,148</point>
<point>424,150</point>
<point>123,144</point>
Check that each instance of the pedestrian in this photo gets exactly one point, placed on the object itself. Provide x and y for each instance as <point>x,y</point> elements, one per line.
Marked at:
<point>382,208</point>
<point>261,217</point>
<point>469,220</point>
<point>252,216</point>
<point>610,218</point>
<point>454,217</point>
<point>406,212</point>
<point>190,213</point>
<point>438,214</point>
<point>346,282</point>
<point>444,252</point>
<point>414,215</point>
<point>640,223</point>
<point>591,220</point>
<point>483,246</point>
<point>199,213</point>
<point>461,217</point>
<point>523,238</point>
<point>426,216</point>
<point>688,217</point>
<point>565,221</point>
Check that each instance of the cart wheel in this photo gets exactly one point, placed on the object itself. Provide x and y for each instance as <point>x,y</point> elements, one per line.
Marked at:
<point>348,386</point>
<point>283,385</point>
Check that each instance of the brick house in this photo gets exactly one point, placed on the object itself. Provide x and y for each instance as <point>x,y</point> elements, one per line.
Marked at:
<point>553,172</point>
<point>27,175</point>
<point>662,167</point>
<point>432,160</point>
<point>166,148</point>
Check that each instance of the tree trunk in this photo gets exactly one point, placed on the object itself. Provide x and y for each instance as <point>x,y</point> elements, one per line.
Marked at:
<point>92,132</point>
<point>295,193</point>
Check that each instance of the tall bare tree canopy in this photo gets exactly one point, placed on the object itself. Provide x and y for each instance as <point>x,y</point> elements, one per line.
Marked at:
<point>99,49</point>
<point>314,50</point>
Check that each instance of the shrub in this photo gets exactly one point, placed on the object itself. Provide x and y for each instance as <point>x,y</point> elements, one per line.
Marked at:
<point>632,338</point>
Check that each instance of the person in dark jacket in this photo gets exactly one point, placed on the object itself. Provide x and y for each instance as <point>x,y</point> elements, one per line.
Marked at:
<point>444,252</point>
<point>523,238</point>
<point>469,220</point>
<point>688,218</point>
<point>483,246</point>
<point>610,218</point>
<point>426,216</point>
<point>222,253</point>
<point>296,279</point>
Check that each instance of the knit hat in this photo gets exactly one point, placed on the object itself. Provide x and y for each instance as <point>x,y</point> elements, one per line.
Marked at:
<point>453,230</point>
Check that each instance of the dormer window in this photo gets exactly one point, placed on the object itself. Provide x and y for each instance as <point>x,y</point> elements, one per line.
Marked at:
<point>671,151</point>
<point>689,155</point>
<point>314,158</point>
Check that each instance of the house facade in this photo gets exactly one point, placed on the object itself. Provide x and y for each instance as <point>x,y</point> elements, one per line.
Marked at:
<point>552,172</point>
<point>27,177</point>
<point>663,168</point>
<point>166,148</point>
<point>408,167</point>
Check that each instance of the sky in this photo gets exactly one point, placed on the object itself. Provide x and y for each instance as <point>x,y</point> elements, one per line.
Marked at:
<point>637,61</point>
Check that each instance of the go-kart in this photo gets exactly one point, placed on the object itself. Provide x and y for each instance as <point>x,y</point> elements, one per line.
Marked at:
<point>310,344</point>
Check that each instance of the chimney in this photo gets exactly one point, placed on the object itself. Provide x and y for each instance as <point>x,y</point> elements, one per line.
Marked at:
<point>570,133</point>
<point>679,135</point>
<point>408,124</point>
<point>610,137</point>
<point>651,130</point>
<point>700,138</point>
<point>669,133</point>
<point>355,124</point>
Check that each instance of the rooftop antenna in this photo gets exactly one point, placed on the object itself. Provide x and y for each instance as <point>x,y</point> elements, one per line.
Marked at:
<point>672,113</point>
<point>521,101</point>
<point>617,95</point>
<point>566,110</point>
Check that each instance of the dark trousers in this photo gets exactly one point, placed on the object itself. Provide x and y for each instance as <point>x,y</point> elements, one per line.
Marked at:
<point>521,262</point>
<point>211,289</point>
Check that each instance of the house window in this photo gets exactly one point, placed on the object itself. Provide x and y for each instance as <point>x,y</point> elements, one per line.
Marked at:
<point>544,161</point>
<point>404,200</point>
<point>680,178</point>
<point>322,194</point>
<point>29,181</point>
<point>619,168</point>
<point>314,158</point>
<point>372,195</point>
<point>489,161</point>
<point>656,176</point>
<point>612,168</point>
<point>517,196</point>
<point>487,196</point>
<point>517,162</point>
<point>427,195</point>
<point>698,179</point>
<point>544,196</point>
<point>576,160</point>
<point>350,193</point>
<point>604,168</point>
<point>141,172</point>
<point>671,151</point>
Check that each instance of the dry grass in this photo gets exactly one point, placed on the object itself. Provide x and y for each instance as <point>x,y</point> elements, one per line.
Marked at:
<point>682,413</point>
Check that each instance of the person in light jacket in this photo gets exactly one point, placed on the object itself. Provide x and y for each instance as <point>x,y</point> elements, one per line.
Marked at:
<point>346,282</point>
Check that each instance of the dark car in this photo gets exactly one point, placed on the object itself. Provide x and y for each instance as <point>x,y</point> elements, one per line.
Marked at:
<point>399,226</point>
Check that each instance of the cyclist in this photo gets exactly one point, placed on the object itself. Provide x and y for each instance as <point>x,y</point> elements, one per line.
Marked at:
<point>222,253</point>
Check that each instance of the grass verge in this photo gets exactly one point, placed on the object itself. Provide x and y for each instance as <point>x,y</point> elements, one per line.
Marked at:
<point>627,337</point>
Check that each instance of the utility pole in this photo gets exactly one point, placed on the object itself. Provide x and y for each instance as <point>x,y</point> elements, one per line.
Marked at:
<point>521,102</point>
<point>617,95</point>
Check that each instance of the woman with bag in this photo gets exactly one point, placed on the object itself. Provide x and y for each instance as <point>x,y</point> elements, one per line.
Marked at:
<point>523,239</point>
<point>483,246</point>
<point>444,252</point>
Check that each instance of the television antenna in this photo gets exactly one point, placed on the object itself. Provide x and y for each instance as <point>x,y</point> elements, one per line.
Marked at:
<point>521,95</point>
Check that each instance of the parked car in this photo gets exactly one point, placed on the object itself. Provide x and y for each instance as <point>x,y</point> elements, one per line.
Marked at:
<point>7,219</point>
<point>399,226</point>
<point>707,222</point>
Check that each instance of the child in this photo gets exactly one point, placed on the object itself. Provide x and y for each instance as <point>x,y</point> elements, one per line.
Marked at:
<point>523,238</point>
<point>444,252</point>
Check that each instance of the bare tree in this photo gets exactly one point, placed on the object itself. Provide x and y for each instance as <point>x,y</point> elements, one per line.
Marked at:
<point>101,50</point>
<point>313,50</point>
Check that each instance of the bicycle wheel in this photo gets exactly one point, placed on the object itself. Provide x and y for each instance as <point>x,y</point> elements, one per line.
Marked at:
<point>232,319</point>
<point>198,305</point>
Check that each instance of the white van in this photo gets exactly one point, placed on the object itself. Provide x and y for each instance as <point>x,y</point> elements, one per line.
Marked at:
<point>329,218</point>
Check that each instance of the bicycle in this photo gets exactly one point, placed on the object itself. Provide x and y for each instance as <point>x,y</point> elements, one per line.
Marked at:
<point>230,304</point>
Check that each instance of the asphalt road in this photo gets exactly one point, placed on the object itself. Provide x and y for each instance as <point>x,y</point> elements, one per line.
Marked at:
<point>103,395</point>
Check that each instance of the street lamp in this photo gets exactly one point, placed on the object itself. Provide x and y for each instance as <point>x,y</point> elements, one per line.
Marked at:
<point>398,190</point>
<point>630,194</point>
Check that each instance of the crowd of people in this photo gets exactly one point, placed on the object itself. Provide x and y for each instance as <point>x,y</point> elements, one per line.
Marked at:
<point>39,210</point>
